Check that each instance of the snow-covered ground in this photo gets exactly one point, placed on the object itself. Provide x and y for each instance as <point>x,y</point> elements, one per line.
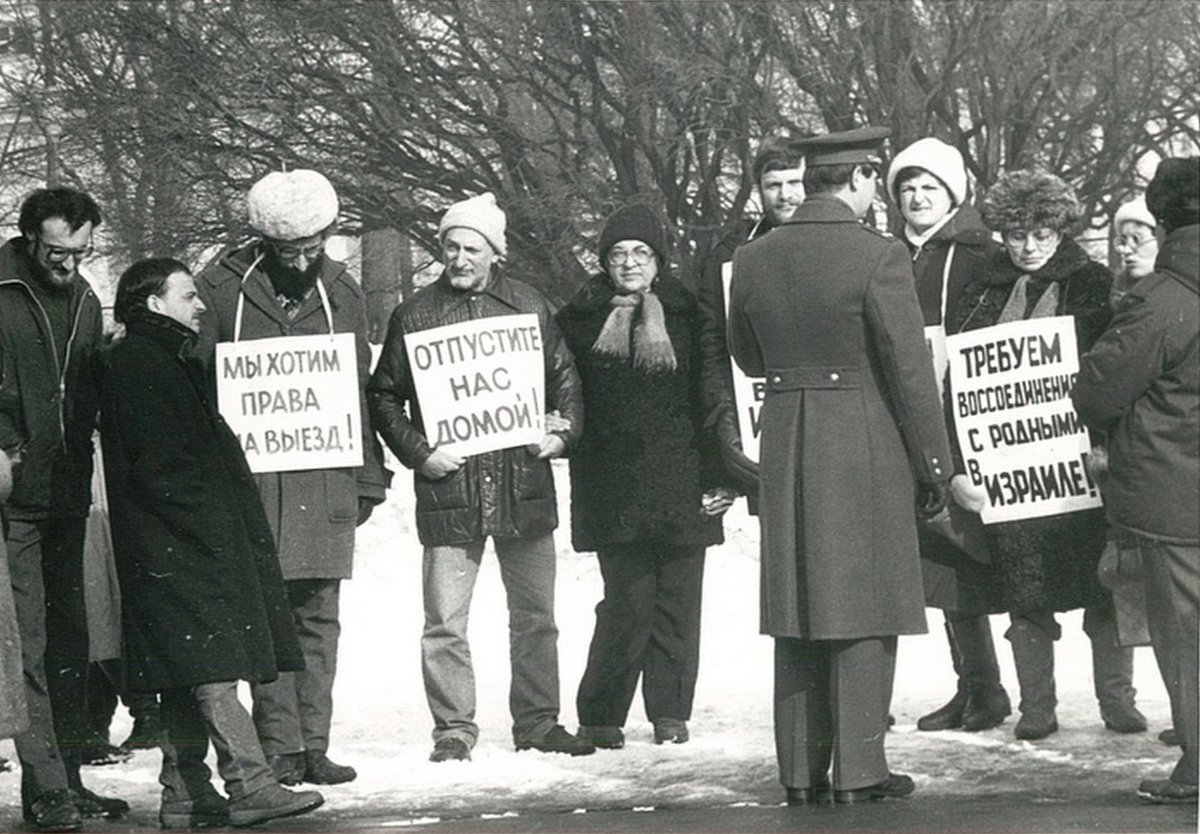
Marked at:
<point>382,725</point>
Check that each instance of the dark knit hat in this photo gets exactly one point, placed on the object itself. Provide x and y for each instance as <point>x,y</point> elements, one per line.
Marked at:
<point>1173,196</point>
<point>635,222</point>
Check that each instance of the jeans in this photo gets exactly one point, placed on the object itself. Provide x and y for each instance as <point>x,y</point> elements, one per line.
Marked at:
<point>294,712</point>
<point>193,716</point>
<point>527,568</point>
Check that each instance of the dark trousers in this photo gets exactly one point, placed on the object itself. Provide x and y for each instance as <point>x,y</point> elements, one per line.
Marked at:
<point>831,707</point>
<point>293,713</point>
<point>1172,576</point>
<point>647,625</point>
<point>46,567</point>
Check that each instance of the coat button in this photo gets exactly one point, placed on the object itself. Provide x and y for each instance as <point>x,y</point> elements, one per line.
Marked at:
<point>937,470</point>
<point>776,379</point>
<point>834,377</point>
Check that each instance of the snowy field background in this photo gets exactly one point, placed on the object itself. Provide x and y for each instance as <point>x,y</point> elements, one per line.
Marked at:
<point>382,725</point>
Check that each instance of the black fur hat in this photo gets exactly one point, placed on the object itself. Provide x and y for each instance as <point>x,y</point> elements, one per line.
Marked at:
<point>635,222</point>
<point>1173,196</point>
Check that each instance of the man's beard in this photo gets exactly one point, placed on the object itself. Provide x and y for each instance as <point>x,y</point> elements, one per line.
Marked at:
<point>55,280</point>
<point>291,282</point>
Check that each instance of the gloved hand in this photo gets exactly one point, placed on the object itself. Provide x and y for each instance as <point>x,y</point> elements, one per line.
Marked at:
<point>931,498</point>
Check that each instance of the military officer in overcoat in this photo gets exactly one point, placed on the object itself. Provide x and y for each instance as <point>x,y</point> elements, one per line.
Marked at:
<point>852,437</point>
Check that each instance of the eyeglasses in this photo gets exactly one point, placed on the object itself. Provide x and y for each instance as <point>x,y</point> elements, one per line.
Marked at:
<point>295,253</point>
<point>638,256</point>
<point>1130,243</point>
<point>59,255</point>
<point>1041,238</point>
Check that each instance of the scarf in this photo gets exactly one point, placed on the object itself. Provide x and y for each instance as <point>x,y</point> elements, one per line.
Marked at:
<point>1014,308</point>
<point>637,318</point>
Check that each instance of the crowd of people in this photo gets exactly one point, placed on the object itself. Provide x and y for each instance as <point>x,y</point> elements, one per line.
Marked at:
<point>869,510</point>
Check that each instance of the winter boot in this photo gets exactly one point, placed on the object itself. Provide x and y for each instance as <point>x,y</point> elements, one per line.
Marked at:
<point>1112,674</point>
<point>987,703</point>
<point>950,715</point>
<point>1033,653</point>
<point>147,727</point>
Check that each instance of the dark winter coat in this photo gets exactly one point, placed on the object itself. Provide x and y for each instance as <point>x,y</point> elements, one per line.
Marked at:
<point>202,594</point>
<point>825,309</point>
<point>1046,563</point>
<point>1141,383</point>
<point>312,512</point>
<point>954,580</point>
<point>47,412</point>
<point>721,409</point>
<point>14,717</point>
<point>640,469</point>
<point>507,493</point>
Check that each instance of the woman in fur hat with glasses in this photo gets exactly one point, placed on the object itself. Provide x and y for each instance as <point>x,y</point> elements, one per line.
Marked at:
<point>645,491</point>
<point>1047,564</point>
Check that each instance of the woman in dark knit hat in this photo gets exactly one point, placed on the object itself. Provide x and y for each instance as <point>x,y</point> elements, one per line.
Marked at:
<point>643,495</point>
<point>1046,564</point>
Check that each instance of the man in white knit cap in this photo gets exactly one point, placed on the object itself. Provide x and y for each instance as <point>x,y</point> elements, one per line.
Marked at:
<point>279,284</point>
<point>507,495</point>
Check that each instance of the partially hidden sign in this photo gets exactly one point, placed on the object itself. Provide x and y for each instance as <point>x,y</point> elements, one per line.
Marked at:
<point>748,392</point>
<point>1020,436</point>
<point>292,401</point>
<point>480,383</point>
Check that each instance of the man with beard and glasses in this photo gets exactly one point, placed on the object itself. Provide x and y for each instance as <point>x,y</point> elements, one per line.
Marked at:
<point>283,284</point>
<point>50,332</point>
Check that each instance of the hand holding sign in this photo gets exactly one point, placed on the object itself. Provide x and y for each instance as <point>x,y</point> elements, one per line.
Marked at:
<point>967,495</point>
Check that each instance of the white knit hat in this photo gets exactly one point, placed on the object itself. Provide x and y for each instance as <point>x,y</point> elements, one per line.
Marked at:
<point>481,214</point>
<point>290,205</point>
<point>1136,211</point>
<point>935,156</point>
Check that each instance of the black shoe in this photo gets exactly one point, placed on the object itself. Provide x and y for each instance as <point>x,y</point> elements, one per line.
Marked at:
<point>558,740</point>
<point>816,795</point>
<point>99,752</point>
<point>602,737</point>
<point>947,717</point>
<point>673,730</point>
<point>1167,792</point>
<point>209,810</point>
<point>272,803</point>
<point>288,767</point>
<point>896,786</point>
<point>1036,725</point>
<point>54,811</point>
<point>145,733</point>
<point>987,706</point>
<point>452,749</point>
<point>319,770</point>
<point>1170,736</point>
<point>94,806</point>
<point>1124,718</point>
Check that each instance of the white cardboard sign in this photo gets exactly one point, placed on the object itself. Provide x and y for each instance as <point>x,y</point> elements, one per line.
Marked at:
<point>748,392</point>
<point>292,401</point>
<point>1020,435</point>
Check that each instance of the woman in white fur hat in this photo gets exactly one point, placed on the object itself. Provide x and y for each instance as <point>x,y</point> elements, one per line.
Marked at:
<point>1135,241</point>
<point>950,246</point>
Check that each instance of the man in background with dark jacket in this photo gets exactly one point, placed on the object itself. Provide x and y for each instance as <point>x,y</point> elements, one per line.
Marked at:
<point>507,495</point>
<point>1141,383</point>
<point>779,175</point>
<point>50,331</point>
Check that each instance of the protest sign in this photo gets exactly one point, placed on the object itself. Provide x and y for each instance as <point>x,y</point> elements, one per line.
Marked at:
<point>292,401</point>
<point>480,383</point>
<point>935,340</point>
<point>748,392</point>
<point>1020,436</point>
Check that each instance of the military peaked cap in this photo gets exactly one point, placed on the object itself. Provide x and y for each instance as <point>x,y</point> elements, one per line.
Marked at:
<point>862,145</point>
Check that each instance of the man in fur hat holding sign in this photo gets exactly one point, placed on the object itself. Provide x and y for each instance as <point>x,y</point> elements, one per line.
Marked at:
<point>282,287</point>
<point>470,485</point>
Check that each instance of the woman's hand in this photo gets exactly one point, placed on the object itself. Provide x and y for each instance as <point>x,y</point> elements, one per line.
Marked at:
<point>967,495</point>
<point>716,501</point>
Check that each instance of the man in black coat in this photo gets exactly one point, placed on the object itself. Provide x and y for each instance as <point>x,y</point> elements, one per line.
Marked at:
<point>203,601</point>
<point>779,174</point>
<point>50,331</point>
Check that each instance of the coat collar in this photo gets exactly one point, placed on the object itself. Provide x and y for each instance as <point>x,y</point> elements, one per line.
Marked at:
<point>599,290</point>
<point>260,292</point>
<point>1065,261</point>
<point>1180,255</point>
<point>822,208</point>
<point>163,331</point>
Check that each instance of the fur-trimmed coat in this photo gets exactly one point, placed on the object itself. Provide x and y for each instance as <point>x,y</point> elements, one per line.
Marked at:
<point>1045,563</point>
<point>645,457</point>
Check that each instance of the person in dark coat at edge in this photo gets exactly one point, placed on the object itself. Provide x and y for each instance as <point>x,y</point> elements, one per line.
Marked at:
<point>507,494</point>
<point>1046,564</point>
<point>646,491</point>
<point>778,171</point>
<point>853,440</point>
<point>284,284</point>
<point>203,602</point>
<point>950,247</point>
<point>50,334</point>
<point>1140,383</point>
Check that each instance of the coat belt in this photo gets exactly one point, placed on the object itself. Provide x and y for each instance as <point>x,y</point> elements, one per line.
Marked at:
<point>796,379</point>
